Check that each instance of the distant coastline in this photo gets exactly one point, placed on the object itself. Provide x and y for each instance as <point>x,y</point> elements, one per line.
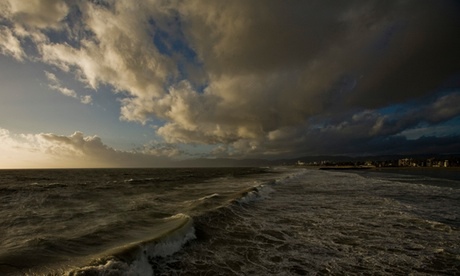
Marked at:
<point>432,162</point>
<point>382,168</point>
<point>346,168</point>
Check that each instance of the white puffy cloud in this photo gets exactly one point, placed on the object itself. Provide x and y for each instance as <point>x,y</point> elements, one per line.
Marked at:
<point>36,13</point>
<point>27,19</point>
<point>120,51</point>
<point>75,150</point>
<point>10,44</point>
<point>18,151</point>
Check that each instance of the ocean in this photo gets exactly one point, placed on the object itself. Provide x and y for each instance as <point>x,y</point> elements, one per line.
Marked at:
<point>229,221</point>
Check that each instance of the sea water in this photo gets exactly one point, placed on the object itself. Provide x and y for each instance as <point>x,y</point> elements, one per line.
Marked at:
<point>228,221</point>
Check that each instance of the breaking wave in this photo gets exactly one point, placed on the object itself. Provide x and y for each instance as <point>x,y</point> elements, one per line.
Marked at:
<point>136,258</point>
<point>141,257</point>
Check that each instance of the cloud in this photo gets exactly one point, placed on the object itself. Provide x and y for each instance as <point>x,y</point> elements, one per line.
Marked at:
<point>444,108</point>
<point>87,99</point>
<point>75,150</point>
<point>36,13</point>
<point>55,84</point>
<point>10,45</point>
<point>161,149</point>
<point>274,67</point>
<point>20,152</point>
<point>441,109</point>
<point>253,79</point>
<point>119,52</point>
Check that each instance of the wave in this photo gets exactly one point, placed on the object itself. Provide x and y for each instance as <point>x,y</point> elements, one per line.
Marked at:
<point>135,258</point>
<point>173,233</point>
<point>253,194</point>
<point>147,180</point>
<point>263,190</point>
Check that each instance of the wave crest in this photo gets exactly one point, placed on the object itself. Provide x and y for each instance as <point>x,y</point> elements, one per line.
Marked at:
<point>134,258</point>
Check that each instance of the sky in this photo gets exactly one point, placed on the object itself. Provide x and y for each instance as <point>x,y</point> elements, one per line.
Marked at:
<point>101,83</point>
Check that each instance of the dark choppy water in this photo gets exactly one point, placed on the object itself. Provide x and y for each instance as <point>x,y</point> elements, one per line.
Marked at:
<point>238,221</point>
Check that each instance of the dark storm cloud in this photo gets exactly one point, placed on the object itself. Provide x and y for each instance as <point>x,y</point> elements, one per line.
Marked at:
<point>418,59</point>
<point>273,67</point>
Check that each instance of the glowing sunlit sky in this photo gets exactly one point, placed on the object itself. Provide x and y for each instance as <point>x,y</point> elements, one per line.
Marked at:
<point>95,83</point>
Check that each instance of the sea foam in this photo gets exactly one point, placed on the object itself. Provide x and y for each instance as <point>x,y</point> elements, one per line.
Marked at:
<point>135,258</point>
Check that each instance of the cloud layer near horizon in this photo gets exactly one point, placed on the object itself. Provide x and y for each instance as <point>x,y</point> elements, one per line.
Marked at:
<point>76,150</point>
<point>278,79</point>
<point>48,150</point>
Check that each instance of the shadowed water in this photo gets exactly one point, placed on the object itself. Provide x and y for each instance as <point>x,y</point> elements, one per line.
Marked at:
<point>239,221</point>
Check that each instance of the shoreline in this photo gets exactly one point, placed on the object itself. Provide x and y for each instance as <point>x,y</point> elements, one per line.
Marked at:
<point>380,168</point>
<point>420,168</point>
<point>345,168</point>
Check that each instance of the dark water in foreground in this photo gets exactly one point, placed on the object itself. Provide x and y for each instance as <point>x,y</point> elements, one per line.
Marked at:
<point>233,221</point>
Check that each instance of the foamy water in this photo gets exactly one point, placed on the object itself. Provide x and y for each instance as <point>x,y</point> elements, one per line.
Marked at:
<point>281,221</point>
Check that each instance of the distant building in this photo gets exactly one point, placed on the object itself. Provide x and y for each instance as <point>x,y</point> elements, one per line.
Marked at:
<point>405,162</point>
<point>429,162</point>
